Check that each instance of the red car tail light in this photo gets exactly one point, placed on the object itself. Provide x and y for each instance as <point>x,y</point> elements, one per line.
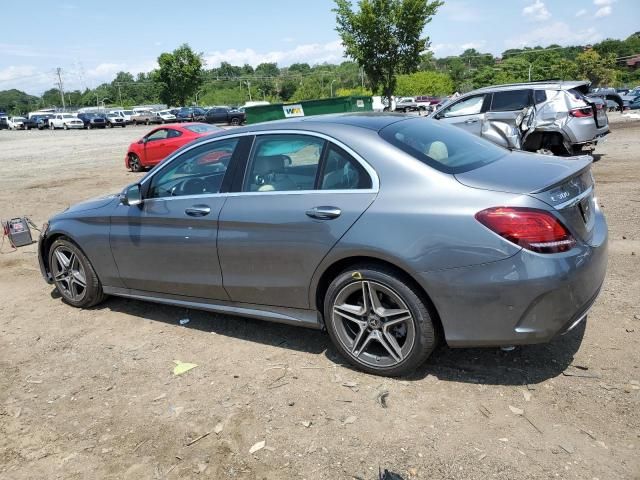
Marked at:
<point>581,112</point>
<point>535,230</point>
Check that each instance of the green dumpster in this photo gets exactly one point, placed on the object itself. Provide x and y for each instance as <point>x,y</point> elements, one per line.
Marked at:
<point>279,111</point>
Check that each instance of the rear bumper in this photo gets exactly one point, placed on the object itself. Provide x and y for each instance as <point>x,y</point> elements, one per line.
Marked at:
<point>527,298</point>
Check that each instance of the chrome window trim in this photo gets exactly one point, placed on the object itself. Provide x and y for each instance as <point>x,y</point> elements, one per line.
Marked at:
<point>375,180</point>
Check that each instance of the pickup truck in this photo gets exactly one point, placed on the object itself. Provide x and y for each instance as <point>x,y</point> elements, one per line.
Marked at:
<point>146,118</point>
<point>225,115</point>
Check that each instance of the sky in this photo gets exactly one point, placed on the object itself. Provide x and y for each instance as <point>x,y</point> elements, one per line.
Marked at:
<point>91,41</point>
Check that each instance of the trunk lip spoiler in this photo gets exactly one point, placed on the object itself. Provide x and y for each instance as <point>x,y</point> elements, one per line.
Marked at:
<point>563,180</point>
<point>575,200</point>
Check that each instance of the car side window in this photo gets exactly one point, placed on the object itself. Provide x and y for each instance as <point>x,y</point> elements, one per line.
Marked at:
<point>283,163</point>
<point>197,171</point>
<point>171,133</point>
<point>539,96</point>
<point>342,172</point>
<point>510,100</point>
<point>468,106</point>
<point>157,135</point>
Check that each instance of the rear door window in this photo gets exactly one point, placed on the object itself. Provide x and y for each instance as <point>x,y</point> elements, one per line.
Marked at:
<point>342,172</point>
<point>539,96</point>
<point>510,100</point>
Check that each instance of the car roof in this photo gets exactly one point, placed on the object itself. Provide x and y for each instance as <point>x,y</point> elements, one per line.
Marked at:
<point>543,85</point>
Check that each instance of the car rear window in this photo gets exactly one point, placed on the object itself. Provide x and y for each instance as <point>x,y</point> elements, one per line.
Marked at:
<point>539,96</point>
<point>510,100</point>
<point>441,146</point>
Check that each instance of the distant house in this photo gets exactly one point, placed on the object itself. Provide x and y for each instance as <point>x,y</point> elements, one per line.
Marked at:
<point>633,62</point>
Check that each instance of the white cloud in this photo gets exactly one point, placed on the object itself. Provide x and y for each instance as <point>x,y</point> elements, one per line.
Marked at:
<point>556,32</point>
<point>14,72</point>
<point>105,69</point>
<point>603,12</point>
<point>447,49</point>
<point>600,3</point>
<point>536,11</point>
<point>581,12</point>
<point>310,53</point>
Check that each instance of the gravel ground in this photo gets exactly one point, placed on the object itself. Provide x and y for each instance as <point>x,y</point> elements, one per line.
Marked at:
<point>91,393</point>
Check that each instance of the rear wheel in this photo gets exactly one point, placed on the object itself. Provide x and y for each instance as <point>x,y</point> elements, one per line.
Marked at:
<point>73,275</point>
<point>65,127</point>
<point>378,321</point>
<point>134,163</point>
<point>235,121</point>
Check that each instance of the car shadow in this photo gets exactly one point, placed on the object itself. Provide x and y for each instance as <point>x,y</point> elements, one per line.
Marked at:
<point>525,365</point>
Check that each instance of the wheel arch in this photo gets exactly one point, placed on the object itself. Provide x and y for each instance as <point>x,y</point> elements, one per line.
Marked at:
<point>334,269</point>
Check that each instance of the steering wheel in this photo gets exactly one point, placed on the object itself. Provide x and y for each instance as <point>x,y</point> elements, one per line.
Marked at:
<point>193,186</point>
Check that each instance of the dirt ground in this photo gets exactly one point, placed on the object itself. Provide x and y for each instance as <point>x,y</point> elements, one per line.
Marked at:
<point>91,393</point>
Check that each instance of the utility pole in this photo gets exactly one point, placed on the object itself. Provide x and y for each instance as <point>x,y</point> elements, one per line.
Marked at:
<point>530,65</point>
<point>249,89</point>
<point>120,94</point>
<point>59,73</point>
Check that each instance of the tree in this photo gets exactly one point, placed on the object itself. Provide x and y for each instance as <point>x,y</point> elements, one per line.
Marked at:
<point>424,83</point>
<point>180,75</point>
<point>385,37</point>
<point>599,70</point>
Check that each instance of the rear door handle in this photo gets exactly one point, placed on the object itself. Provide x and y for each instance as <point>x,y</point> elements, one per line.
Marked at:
<point>198,211</point>
<point>324,213</point>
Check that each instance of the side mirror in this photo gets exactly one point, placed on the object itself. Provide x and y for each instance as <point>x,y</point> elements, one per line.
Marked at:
<point>132,195</point>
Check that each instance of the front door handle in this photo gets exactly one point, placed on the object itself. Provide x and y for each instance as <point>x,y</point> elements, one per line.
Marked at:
<point>324,213</point>
<point>471,120</point>
<point>198,211</point>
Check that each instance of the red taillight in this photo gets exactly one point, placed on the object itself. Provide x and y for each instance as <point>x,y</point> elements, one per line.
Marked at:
<point>536,230</point>
<point>581,112</point>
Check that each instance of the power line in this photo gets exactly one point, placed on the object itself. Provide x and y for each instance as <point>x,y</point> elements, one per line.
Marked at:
<point>60,86</point>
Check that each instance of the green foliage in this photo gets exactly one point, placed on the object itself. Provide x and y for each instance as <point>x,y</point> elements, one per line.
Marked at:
<point>357,92</point>
<point>385,37</point>
<point>16,102</point>
<point>180,75</point>
<point>310,89</point>
<point>424,83</point>
<point>599,70</point>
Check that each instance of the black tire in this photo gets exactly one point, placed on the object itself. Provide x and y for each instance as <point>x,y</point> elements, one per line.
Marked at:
<point>134,123</point>
<point>406,110</point>
<point>147,122</point>
<point>89,127</point>
<point>124,125</point>
<point>235,121</point>
<point>65,127</point>
<point>416,346</point>
<point>134,163</point>
<point>92,293</point>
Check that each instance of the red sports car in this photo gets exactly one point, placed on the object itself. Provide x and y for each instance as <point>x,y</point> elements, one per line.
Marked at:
<point>160,142</point>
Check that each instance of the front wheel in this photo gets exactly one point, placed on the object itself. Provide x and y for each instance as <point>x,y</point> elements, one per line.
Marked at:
<point>235,121</point>
<point>378,320</point>
<point>73,275</point>
<point>134,163</point>
<point>65,127</point>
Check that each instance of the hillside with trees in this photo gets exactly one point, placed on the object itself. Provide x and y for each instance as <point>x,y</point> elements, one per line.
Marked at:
<point>604,63</point>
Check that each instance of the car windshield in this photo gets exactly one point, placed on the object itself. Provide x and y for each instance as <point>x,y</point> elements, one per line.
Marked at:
<point>67,116</point>
<point>441,146</point>
<point>128,112</point>
<point>201,128</point>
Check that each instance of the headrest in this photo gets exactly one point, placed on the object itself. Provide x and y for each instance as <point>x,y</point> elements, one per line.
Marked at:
<point>272,163</point>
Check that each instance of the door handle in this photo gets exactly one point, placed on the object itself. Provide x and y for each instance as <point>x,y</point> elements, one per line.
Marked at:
<point>471,120</point>
<point>198,211</point>
<point>324,213</point>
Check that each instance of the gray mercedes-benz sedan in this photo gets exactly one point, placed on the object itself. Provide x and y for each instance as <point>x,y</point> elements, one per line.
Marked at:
<point>389,231</point>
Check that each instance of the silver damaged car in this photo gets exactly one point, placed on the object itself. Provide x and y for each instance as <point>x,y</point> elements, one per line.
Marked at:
<point>390,232</point>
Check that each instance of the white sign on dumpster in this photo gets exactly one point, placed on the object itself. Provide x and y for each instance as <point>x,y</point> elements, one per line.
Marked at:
<point>360,103</point>
<point>293,110</point>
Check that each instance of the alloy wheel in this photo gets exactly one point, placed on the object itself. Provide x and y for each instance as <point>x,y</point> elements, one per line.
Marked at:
<point>373,323</point>
<point>69,274</point>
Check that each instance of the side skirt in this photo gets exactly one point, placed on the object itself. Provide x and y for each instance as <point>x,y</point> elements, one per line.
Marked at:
<point>291,316</point>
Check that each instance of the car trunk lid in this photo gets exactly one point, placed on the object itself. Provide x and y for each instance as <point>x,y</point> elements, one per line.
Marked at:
<point>566,184</point>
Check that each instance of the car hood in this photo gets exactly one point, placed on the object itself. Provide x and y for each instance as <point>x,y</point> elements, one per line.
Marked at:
<point>523,172</point>
<point>91,204</point>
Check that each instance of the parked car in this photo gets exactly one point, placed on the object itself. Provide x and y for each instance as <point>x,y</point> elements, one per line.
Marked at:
<point>65,121</point>
<point>161,142</point>
<point>93,120</point>
<point>166,116</point>
<point>42,121</point>
<point>418,229</point>
<point>406,104</point>
<point>115,120</point>
<point>29,123</point>
<point>125,114</point>
<point>16,123</point>
<point>547,117</point>
<point>191,114</point>
<point>4,123</point>
<point>225,115</point>
<point>634,103</point>
<point>146,118</point>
